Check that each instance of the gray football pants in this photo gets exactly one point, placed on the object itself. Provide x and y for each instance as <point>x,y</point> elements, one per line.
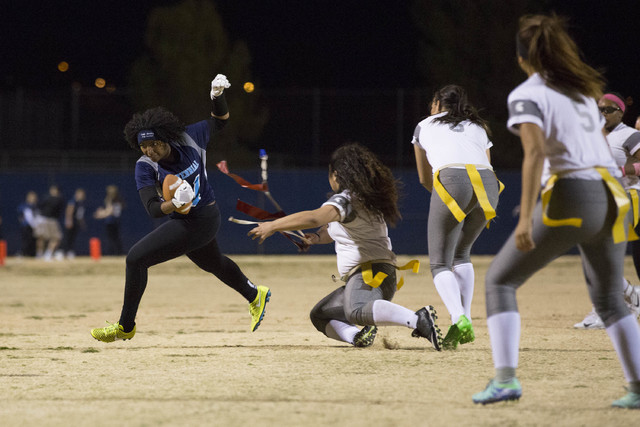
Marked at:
<point>353,302</point>
<point>602,259</point>
<point>450,241</point>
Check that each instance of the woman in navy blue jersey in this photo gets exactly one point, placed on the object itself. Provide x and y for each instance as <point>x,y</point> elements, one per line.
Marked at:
<point>168,147</point>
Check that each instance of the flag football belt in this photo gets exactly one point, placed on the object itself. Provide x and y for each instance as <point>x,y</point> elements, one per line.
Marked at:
<point>376,281</point>
<point>478,190</point>
<point>618,193</point>
<point>633,194</point>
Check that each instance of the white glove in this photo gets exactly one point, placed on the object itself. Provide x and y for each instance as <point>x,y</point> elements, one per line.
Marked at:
<point>183,195</point>
<point>218,85</point>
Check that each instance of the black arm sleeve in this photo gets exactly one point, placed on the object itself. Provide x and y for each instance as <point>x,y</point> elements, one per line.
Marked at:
<point>216,125</point>
<point>219,106</point>
<point>151,201</point>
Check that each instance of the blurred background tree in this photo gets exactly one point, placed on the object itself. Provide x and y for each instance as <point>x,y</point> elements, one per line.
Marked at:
<point>186,46</point>
<point>472,43</point>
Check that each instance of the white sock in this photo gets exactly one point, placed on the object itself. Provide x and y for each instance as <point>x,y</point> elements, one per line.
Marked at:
<point>466,282</point>
<point>504,333</point>
<point>386,313</point>
<point>341,331</point>
<point>625,336</point>
<point>628,288</point>
<point>447,287</point>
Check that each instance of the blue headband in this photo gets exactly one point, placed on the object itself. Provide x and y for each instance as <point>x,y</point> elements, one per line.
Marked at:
<point>146,135</point>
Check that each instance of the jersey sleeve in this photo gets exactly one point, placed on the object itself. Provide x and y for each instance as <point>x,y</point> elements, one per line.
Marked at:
<point>632,144</point>
<point>200,132</point>
<point>416,136</point>
<point>342,203</point>
<point>145,174</point>
<point>523,109</point>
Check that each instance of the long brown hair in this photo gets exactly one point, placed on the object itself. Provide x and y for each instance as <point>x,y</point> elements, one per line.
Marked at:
<point>371,184</point>
<point>454,99</point>
<point>550,51</point>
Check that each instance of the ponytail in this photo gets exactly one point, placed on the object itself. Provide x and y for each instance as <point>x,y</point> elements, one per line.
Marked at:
<point>551,52</point>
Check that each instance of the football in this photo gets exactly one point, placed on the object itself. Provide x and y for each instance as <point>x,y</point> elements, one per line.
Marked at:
<point>169,187</point>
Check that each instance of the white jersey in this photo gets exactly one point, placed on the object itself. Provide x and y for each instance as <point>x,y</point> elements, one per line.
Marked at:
<point>358,239</point>
<point>445,144</point>
<point>625,142</point>
<point>574,143</point>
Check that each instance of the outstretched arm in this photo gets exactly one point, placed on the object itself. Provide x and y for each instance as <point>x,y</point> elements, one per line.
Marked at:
<point>298,221</point>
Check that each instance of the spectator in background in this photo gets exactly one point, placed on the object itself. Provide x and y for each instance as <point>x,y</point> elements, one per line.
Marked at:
<point>637,126</point>
<point>27,213</point>
<point>74,222</point>
<point>48,230</point>
<point>111,212</point>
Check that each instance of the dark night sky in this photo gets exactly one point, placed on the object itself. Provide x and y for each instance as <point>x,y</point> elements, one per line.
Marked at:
<point>302,43</point>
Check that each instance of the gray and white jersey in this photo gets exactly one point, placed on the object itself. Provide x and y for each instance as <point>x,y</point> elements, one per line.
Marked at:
<point>357,238</point>
<point>625,142</point>
<point>574,143</point>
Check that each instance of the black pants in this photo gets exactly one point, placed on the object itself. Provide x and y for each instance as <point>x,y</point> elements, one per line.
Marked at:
<point>193,235</point>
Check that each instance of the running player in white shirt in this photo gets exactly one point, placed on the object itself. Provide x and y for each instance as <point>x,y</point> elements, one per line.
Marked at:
<point>452,155</point>
<point>355,218</point>
<point>625,146</point>
<point>556,116</point>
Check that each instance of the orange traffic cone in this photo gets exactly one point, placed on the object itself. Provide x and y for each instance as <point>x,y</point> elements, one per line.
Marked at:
<point>3,251</point>
<point>95,249</point>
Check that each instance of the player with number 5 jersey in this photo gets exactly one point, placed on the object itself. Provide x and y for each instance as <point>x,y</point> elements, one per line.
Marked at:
<point>170,148</point>
<point>555,114</point>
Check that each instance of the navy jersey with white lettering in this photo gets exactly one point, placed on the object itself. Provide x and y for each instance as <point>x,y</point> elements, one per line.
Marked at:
<point>190,164</point>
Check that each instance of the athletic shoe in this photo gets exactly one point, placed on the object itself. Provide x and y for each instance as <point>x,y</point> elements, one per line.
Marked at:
<point>112,333</point>
<point>630,400</point>
<point>496,392</point>
<point>460,332</point>
<point>632,299</point>
<point>591,321</point>
<point>258,306</point>
<point>365,337</point>
<point>426,327</point>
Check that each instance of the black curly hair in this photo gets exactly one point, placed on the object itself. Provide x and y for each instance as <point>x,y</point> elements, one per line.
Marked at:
<point>373,187</point>
<point>163,123</point>
<point>453,98</point>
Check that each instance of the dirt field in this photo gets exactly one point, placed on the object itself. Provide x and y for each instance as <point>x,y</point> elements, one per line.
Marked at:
<point>194,362</point>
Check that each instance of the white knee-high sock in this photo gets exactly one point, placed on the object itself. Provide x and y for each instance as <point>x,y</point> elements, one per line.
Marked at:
<point>386,313</point>
<point>466,282</point>
<point>625,336</point>
<point>447,287</point>
<point>341,331</point>
<point>504,333</point>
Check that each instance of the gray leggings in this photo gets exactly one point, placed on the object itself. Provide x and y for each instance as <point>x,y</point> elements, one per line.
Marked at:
<point>353,302</point>
<point>450,241</point>
<point>602,259</point>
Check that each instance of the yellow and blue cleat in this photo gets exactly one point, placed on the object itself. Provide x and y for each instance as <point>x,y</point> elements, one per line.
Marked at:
<point>112,333</point>
<point>258,306</point>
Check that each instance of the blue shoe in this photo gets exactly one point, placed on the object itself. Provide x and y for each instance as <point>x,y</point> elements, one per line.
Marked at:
<point>497,392</point>
<point>630,400</point>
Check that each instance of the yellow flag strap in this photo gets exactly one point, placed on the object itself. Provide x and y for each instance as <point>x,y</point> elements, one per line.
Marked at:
<point>478,189</point>
<point>618,193</point>
<point>633,193</point>
<point>376,281</point>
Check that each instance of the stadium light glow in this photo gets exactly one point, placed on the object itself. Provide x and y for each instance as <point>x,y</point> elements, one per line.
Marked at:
<point>100,82</point>
<point>63,66</point>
